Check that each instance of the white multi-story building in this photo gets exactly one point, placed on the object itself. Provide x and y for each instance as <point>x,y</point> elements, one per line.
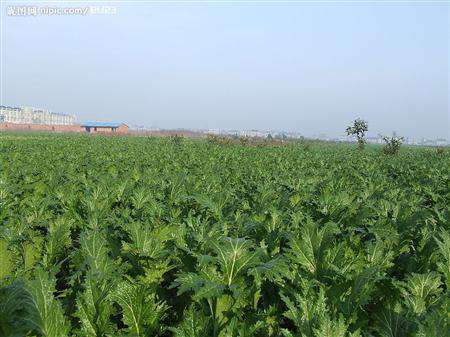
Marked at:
<point>28,115</point>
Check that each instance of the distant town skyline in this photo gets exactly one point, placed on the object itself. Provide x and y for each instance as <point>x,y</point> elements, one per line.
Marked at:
<point>309,69</point>
<point>38,115</point>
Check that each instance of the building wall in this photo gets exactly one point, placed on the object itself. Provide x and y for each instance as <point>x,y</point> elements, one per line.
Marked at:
<point>40,127</point>
<point>123,129</point>
<point>100,129</point>
<point>60,128</point>
<point>104,129</point>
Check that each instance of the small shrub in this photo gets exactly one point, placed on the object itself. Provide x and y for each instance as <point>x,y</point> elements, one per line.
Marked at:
<point>358,129</point>
<point>392,145</point>
<point>176,139</point>
<point>244,141</point>
<point>442,150</point>
<point>218,140</point>
<point>213,139</point>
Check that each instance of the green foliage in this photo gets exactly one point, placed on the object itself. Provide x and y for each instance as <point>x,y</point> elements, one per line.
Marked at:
<point>6,267</point>
<point>14,301</point>
<point>130,236</point>
<point>392,144</point>
<point>335,329</point>
<point>94,302</point>
<point>194,324</point>
<point>392,321</point>
<point>307,311</point>
<point>358,129</point>
<point>421,291</point>
<point>308,249</point>
<point>57,242</point>
<point>141,312</point>
<point>177,140</point>
<point>234,257</point>
<point>45,312</point>
<point>444,254</point>
<point>437,322</point>
<point>94,306</point>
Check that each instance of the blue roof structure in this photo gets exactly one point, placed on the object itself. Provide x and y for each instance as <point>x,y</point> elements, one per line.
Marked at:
<point>101,124</point>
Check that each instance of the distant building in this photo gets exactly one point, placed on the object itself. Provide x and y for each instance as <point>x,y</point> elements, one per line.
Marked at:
<point>104,127</point>
<point>34,119</point>
<point>375,140</point>
<point>29,115</point>
<point>253,133</point>
<point>441,142</point>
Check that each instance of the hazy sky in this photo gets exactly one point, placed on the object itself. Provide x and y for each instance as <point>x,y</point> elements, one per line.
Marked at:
<point>292,66</point>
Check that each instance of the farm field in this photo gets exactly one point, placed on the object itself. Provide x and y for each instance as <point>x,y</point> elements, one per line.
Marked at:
<point>130,236</point>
